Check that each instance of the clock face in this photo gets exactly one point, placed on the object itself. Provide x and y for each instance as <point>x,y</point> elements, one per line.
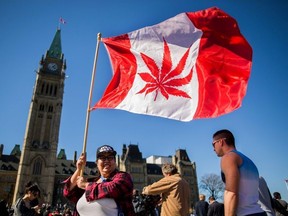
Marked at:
<point>52,66</point>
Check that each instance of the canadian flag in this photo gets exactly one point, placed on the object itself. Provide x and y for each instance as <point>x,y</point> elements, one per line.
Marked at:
<point>194,65</point>
<point>61,20</point>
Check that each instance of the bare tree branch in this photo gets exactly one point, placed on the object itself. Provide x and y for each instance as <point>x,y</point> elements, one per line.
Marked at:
<point>213,184</point>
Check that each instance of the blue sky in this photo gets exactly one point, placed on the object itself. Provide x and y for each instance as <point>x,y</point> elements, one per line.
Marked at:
<point>260,125</point>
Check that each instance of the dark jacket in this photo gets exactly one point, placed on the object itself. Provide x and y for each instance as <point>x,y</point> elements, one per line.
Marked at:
<point>201,208</point>
<point>216,209</point>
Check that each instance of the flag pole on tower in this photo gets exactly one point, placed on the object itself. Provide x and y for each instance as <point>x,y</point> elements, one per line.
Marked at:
<point>61,21</point>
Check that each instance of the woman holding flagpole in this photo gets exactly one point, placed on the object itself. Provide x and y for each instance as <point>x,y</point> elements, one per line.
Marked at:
<point>110,193</point>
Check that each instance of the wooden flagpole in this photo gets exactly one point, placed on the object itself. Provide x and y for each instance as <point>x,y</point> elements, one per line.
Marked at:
<point>90,97</point>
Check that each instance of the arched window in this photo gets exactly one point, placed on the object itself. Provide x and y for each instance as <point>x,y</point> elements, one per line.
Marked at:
<point>47,89</point>
<point>55,90</point>
<point>51,90</point>
<point>37,167</point>
<point>42,87</point>
<point>41,107</point>
<point>50,108</point>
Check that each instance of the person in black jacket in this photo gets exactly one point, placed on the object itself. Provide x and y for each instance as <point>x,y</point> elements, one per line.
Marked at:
<point>215,208</point>
<point>3,208</point>
<point>201,207</point>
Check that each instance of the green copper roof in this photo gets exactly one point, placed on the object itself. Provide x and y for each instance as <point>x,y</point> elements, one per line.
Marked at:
<point>55,50</point>
<point>62,154</point>
<point>16,151</point>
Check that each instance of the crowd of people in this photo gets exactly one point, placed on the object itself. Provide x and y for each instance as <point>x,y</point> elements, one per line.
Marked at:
<point>111,193</point>
<point>43,210</point>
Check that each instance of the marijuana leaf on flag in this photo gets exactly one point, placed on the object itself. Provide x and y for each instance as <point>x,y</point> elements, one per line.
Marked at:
<point>193,65</point>
<point>162,80</point>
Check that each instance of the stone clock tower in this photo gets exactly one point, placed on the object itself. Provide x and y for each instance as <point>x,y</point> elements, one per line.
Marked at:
<point>38,157</point>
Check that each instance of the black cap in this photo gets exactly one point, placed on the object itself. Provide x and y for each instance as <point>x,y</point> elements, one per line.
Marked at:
<point>105,149</point>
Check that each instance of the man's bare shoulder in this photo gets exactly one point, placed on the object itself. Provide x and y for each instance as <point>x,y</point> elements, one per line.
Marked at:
<point>231,159</point>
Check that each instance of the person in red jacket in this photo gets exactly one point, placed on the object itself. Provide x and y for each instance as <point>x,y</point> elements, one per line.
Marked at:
<point>110,193</point>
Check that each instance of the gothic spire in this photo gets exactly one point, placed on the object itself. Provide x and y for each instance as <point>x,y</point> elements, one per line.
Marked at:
<point>55,50</point>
